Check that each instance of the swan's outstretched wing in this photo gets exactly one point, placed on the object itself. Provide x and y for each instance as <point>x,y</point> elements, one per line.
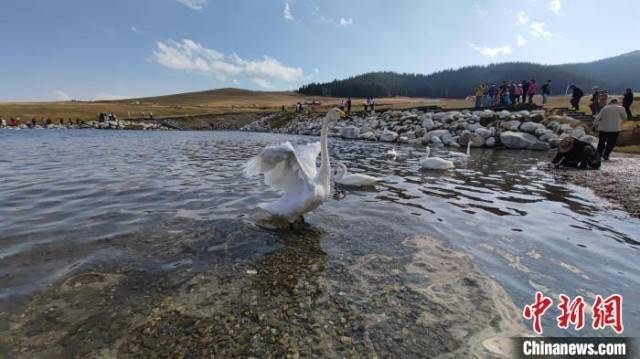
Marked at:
<point>307,155</point>
<point>281,167</point>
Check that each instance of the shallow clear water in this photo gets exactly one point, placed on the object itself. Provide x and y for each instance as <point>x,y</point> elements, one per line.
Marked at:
<point>157,208</point>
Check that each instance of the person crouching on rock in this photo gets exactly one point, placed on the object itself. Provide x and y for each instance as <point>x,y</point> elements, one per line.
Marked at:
<point>573,153</point>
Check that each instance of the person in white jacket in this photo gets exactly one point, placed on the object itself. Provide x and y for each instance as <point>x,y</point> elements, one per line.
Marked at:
<point>608,123</point>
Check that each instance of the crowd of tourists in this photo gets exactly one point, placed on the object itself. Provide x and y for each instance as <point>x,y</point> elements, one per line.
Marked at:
<point>511,93</point>
<point>608,115</point>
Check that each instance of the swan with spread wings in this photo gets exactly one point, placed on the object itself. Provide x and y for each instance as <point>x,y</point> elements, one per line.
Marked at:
<point>292,170</point>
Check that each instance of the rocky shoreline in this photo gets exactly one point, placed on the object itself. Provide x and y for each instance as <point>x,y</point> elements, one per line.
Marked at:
<point>106,125</point>
<point>531,130</point>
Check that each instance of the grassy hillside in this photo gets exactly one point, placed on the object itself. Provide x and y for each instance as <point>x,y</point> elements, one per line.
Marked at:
<point>193,103</point>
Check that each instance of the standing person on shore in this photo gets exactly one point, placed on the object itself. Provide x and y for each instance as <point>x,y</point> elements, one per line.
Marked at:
<point>627,100</point>
<point>531,91</point>
<point>519,94</point>
<point>491,95</point>
<point>595,92</point>
<point>525,90</point>
<point>506,94</point>
<point>546,92</point>
<point>479,92</point>
<point>372,105</point>
<point>512,92</point>
<point>349,104</point>
<point>608,123</point>
<point>576,95</point>
<point>603,99</point>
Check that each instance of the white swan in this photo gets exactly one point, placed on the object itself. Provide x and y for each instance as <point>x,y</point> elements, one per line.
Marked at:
<point>435,163</point>
<point>355,179</point>
<point>392,154</point>
<point>292,170</point>
<point>462,155</point>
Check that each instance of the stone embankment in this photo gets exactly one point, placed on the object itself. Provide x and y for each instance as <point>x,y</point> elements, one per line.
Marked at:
<point>533,130</point>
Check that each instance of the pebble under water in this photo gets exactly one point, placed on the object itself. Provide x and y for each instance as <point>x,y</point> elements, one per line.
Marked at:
<point>135,243</point>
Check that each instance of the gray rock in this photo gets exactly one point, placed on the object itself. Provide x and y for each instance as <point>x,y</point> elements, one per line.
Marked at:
<point>484,132</point>
<point>539,146</point>
<point>428,123</point>
<point>473,126</point>
<point>388,136</point>
<point>367,136</point>
<point>409,118</point>
<point>547,137</point>
<point>536,116</point>
<point>476,139</point>
<point>521,140</point>
<point>435,140</point>
<point>543,131</point>
<point>350,132</point>
<point>510,125</point>
<point>504,114</point>
<point>531,127</point>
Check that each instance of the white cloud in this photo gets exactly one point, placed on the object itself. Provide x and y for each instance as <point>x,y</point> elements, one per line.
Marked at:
<point>345,22</point>
<point>539,29</point>
<point>135,29</point>
<point>555,6</point>
<point>287,12</point>
<point>262,83</point>
<point>520,40</point>
<point>522,18</point>
<point>192,57</point>
<point>60,95</point>
<point>492,52</point>
<point>194,4</point>
<point>536,28</point>
<point>104,96</point>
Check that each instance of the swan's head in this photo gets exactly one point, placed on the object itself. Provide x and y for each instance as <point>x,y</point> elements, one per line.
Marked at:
<point>335,114</point>
<point>428,151</point>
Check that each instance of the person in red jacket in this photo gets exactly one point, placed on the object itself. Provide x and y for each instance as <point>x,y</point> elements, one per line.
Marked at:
<point>531,91</point>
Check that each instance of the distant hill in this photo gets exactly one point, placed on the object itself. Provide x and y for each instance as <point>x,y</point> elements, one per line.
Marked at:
<point>224,97</point>
<point>614,73</point>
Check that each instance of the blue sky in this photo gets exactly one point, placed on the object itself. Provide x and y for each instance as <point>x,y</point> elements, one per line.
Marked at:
<point>93,49</point>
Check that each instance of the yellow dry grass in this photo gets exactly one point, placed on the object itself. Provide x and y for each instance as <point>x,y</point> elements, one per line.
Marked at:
<point>205,102</point>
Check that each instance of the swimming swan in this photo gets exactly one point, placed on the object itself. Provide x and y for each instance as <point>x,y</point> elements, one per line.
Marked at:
<point>292,170</point>
<point>355,179</point>
<point>463,155</point>
<point>392,154</point>
<point>435,163</point>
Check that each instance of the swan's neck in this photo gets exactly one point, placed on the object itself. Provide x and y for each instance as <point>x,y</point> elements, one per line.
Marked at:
<point>324,174</point>
<point>469,148</point>
<point>428,152</point>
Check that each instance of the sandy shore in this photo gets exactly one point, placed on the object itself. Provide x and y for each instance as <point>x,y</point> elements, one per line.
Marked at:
<point>617,180</point>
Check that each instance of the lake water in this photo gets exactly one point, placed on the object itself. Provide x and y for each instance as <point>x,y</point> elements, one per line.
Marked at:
<point>127,242</point>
